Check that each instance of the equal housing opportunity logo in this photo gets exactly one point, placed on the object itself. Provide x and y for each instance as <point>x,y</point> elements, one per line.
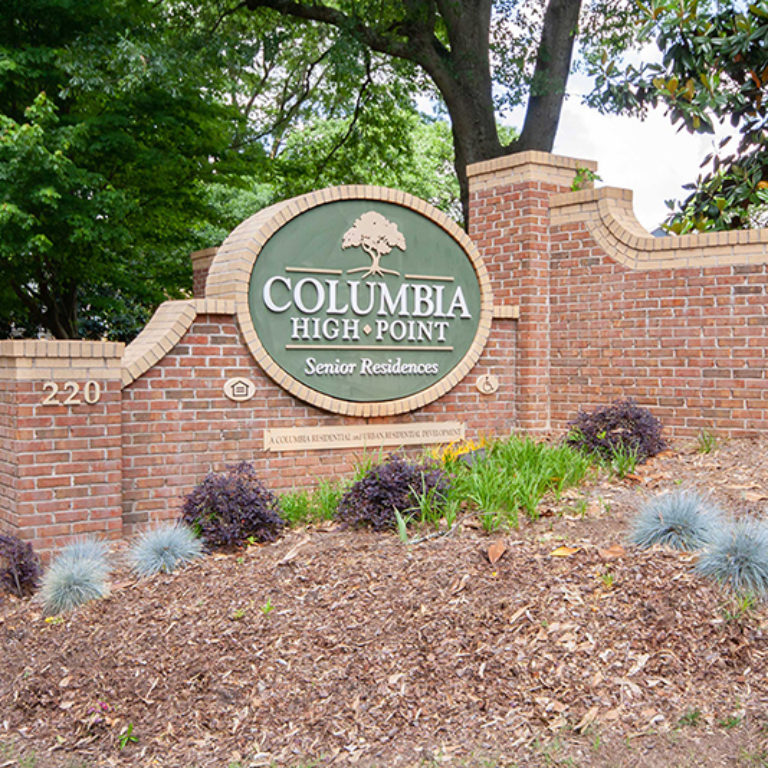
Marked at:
<point>369,307</point>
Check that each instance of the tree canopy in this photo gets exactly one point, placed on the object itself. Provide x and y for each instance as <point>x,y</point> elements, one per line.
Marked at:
<point>107,138</point>
<point>480,56</point>
<point>713,69</point>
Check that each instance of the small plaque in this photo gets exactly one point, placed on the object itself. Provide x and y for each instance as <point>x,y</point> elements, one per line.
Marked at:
<point>239,389</point>
<point>487,384</point>
<point>363,436</point>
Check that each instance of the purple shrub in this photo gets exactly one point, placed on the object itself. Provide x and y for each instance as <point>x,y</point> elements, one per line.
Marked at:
<point>392,485</point>
<point>20,569</point>
<point>228,508</point>
<point>621,426</point>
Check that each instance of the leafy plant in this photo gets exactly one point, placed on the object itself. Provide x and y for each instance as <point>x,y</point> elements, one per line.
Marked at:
<point>737,556</point>
<point>19,566</point>
<point>706,442</point>
<point>621,427</point>
<point>623,460</point>
<point>584,178</point>
<point>164,549</point>
<point>680,518</point>
<point>79,574</point>
<point>225,509</point>
<point>691,717</point>
<point>127,737</point>
<point>267,608</point>
<point>607,578</point>
<point>392,485</point>
<point>301,507</point>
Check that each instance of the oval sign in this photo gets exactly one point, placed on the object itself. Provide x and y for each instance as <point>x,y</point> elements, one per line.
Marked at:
<point>367,303</point>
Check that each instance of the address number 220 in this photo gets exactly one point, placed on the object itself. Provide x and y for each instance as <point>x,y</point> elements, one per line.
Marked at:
<point>70,393</point>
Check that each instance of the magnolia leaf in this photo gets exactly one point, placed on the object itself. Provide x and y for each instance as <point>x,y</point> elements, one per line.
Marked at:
<point>613,552</point>
<point>496,550</point>
<point>564,551</point>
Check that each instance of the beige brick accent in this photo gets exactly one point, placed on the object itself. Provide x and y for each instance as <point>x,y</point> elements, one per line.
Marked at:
<point>59,360</point>
<point>526,166</point>
<point>608,215</point>
<point>170,322</point>
<point>506,312</point>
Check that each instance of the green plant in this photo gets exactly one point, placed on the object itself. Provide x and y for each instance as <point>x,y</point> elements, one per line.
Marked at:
<point>739,607</point>
<point>732,721</point>
<point>706,442</point>
<point>300,507</point>
<point>164,549</point>
<point>680,518</point>
<point>19,566</point>
<point>237,614</point>
<point>584,177</point>
<point>79,574</point>
<point>623,459</point>
<point>225,509</point>
<point>623,423</point>
<point>692,717</point>
<point>402,526</point>
<point>607,578</point>
<point>737,556</point>
<point>267,608</point>
<point>127,737</point>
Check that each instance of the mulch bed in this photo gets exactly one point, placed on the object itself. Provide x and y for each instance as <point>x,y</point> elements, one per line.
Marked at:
<point>344,647</point>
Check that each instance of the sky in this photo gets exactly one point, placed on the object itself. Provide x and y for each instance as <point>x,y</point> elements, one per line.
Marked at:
<point>648,157</point>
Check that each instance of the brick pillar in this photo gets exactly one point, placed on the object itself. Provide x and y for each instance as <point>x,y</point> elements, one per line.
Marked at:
<point>201,263</point>
<point>60,424</point>
<point>509,222</point>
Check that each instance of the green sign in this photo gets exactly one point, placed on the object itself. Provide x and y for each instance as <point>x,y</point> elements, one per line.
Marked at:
<point>365,301</point>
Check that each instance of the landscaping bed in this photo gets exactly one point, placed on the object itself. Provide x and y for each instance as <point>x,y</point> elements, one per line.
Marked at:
<point>340,647</point>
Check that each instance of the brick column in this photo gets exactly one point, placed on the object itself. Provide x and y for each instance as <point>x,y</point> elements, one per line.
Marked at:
<point>60,454</point>
<point>201,263</point>
<point>509,222</point>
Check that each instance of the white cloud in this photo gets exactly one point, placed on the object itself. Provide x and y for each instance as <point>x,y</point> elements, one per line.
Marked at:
<point>647,156</point>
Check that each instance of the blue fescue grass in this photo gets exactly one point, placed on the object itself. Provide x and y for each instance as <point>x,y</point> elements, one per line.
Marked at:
<point>88,548</point>
<point>164,549</point>
<point>737,556</point>
<point>681,519</point>
<point>79,574</point>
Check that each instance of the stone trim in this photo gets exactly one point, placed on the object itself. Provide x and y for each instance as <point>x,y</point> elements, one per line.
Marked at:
<point>41,359</point>
<point>527,166</point>
<point>608,215</point>
<point>230,273</point>
<point>202,259</point>
<point>506,312</point>
<point>171,321</point>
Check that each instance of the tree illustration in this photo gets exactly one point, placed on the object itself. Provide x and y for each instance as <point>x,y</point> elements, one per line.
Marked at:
<point>377,236</point>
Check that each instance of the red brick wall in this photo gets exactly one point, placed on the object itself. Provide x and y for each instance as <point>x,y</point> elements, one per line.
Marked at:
<point>178,425</point>
<point>68,465</point>
<point>692,344</point>
<point>509,224</point>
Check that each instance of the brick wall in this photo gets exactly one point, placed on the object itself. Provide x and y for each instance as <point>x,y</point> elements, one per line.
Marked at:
<point>607,311</point>
<point>61,456</point>
<point>8,468</point>
<point>587,308</point>
<point>178,425</point>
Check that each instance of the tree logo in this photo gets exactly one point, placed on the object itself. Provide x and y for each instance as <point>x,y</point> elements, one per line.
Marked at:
<point>377,236</point>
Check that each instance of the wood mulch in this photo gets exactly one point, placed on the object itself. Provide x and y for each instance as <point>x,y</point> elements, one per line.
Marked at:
<point>333,647</point>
